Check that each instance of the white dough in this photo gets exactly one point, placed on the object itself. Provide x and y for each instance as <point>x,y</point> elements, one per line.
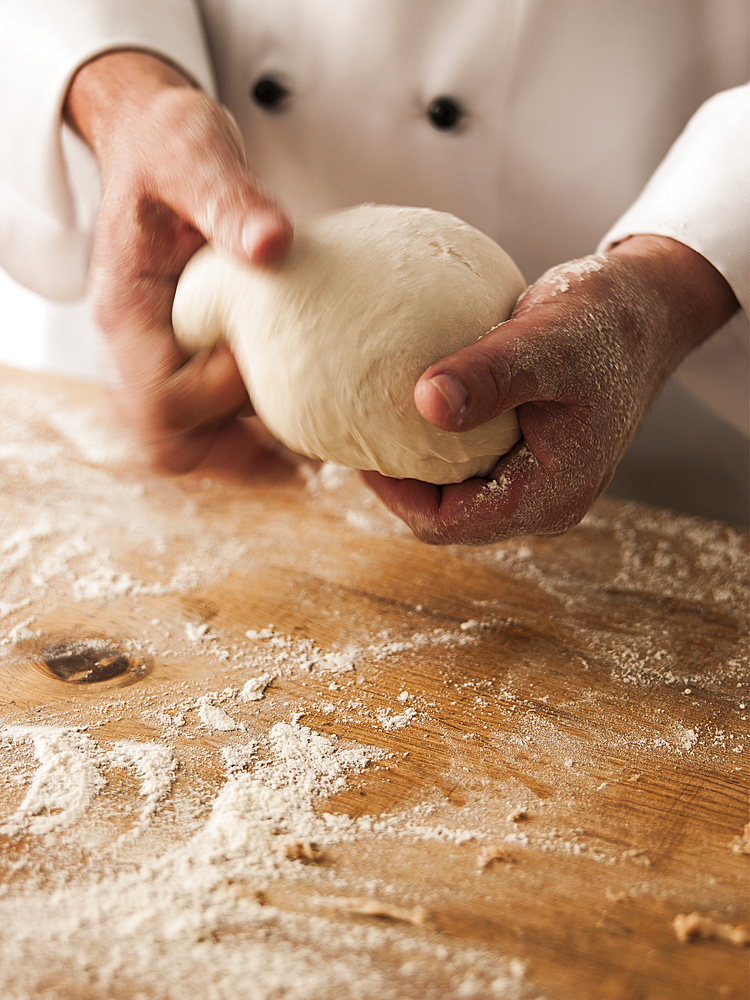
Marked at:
<point>332,342</point>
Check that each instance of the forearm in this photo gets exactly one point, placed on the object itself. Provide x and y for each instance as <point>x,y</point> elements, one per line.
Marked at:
<point>46,243</point>
<point>697,297</point>
<point>113,89</point>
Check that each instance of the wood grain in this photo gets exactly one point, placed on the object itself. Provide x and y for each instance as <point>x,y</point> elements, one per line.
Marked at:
<point>597,681</point>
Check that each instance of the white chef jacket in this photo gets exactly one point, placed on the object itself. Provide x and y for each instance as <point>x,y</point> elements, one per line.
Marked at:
<point>582,122</point>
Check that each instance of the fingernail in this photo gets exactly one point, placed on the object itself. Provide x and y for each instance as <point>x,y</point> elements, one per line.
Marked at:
<point>452,391</point>
<point>253,228</point>
<point>266,236</point>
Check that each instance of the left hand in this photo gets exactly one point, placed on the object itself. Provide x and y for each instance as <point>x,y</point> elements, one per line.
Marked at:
<point>584,354</point>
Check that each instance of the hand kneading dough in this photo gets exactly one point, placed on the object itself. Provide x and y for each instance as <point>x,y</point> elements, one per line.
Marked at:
<point>332,342</point>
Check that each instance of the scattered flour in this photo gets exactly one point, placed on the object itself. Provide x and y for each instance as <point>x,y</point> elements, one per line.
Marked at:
<point>678,738</point>
<point>193,922</point>
<point>328,476</point>
<point>155,764</point>
<point>55,543</point>
<point>69,777</point>
<point>63,787</point>
<point>389,722</point>
<point>195,633</point>
<point>214,717</point>
<point>185,917</point>
<point>237,758</point>
<point>279,795</point>
<point>254,688</point>
<point>560,278</point>
<point>139,928</point>
<point>336,662</point>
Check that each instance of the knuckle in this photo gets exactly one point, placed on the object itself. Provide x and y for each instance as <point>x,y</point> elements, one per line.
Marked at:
<point>496,377</point>
<point>562,519</point>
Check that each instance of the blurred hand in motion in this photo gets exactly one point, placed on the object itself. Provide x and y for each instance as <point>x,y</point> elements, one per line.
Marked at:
<point>585,352</point>
<point>174,176</point>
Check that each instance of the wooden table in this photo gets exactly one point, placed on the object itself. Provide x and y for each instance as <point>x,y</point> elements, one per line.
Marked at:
<point>259,742</point>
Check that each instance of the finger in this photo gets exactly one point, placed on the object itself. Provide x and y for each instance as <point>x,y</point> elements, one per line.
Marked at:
<point>233,215</point>
<point>267,234</point>
<point>414,502</point>
<point>492,375</point>
<point>171,402</point>
<point>523,496</point>
<point>140,250</point>
<point>207,391</point>
<point>430,511</point>
<point>219,195</point>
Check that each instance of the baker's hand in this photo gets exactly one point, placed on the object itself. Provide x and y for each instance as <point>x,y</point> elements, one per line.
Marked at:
<point>174,176</point>
<point>585,352</point>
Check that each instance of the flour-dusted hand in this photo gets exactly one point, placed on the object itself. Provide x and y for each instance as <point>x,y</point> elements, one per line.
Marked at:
<point>174,176</point>
<point>582,357</point>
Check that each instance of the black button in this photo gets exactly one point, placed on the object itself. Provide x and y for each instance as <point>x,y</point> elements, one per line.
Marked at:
<point>445,113</point>
<point>269,93</point>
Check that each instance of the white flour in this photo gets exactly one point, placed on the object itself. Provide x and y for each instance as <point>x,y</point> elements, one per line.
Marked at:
<point>255,687</point>
<point>277,798</point>
<point>560,278</point>
<point>155,764</point>
<point>214,717</point>
<point>64,786</point>
<point>162,928</point>
<point>389,722</point>
<point>223,805</point>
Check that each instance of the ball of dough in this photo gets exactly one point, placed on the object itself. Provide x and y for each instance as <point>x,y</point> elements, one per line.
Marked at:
<point>332,342</point>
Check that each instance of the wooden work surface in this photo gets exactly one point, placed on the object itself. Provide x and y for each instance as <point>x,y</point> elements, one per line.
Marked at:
<point>259,742</point>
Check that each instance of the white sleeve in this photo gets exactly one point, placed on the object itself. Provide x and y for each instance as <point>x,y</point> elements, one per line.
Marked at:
<point>700,194</point>
<point>44,239</point>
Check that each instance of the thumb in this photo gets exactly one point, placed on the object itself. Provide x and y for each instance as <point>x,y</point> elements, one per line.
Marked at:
<point>477,383</point>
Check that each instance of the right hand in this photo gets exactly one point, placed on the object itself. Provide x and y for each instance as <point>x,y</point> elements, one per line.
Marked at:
<point>584,354</point>
<point>174,176</point>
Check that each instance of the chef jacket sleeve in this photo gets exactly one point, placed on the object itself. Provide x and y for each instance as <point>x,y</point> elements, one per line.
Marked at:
<point>700,194</point>
<point>45,228</point>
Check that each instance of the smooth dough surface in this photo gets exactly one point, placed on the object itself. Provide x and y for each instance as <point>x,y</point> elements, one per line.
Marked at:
<point>332,342</point>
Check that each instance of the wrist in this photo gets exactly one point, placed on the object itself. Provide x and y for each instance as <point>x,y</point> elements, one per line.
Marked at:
<point>697,296</point>
<point>106,93</point>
